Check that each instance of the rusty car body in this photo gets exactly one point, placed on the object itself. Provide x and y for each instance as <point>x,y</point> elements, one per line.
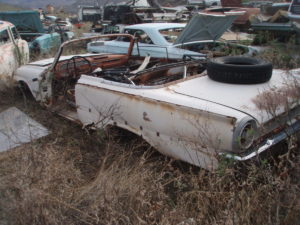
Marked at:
<point>13,51</point>
<point>242,21</point>
<point>173,105</point>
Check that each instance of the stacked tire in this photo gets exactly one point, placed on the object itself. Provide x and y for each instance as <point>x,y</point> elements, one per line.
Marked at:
<point>239,70</point>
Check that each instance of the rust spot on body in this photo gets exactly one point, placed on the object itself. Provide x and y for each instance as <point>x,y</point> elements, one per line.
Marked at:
<point>145,117</point>
<point>232,120</point>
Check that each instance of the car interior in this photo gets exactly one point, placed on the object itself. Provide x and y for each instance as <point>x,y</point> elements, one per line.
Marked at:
<point>134,70</point>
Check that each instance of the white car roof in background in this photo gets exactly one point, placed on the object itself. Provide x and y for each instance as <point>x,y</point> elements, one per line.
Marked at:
<point>157,26</point>
<point>4,24</point>
<point>152,29</point>
<point>202,27</point>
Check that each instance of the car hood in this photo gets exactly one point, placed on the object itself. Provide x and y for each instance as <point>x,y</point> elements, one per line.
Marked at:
<point>43,62</point>
<point>243,98</point>
<point>206,26</point>
<point>49,61</point>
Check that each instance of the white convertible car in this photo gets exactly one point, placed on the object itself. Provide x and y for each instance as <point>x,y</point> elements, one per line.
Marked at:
<point>191,110</point>
<point>175,40</point>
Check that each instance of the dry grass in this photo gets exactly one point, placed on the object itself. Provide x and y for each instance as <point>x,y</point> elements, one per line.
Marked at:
<point>84,29</point>
<point>72,177</point>
<point>283,56</point>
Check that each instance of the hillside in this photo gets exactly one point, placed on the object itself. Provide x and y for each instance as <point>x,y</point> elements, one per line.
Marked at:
<point>72,3</point>
<point>162,2</point>
<point>37,3</point>
<point>8,7</point>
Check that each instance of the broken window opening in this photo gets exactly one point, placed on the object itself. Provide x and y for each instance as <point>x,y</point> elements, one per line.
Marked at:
<point>4,37</point>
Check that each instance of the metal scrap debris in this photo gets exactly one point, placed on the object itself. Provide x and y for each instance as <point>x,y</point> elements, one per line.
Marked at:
<point>16,128</point>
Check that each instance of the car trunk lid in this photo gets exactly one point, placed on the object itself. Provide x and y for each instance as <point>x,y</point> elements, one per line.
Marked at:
<point>244,98</point>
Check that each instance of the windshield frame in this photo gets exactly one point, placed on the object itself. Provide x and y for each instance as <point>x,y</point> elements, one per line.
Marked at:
<point>65,44</point>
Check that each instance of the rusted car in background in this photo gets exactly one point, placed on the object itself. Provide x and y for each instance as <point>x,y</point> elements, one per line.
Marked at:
<point>243,21</point>
<point>184,111</point>
<point>13,51</point>
<point>281,25</point>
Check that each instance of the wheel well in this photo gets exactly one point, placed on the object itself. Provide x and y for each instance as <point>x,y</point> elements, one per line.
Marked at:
<point>124,133</point>
<point>24,89</point>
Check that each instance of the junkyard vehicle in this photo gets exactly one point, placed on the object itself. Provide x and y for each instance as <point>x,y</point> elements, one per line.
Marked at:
<point>294,15</point>
<point>197,4</point>
<point>134,12</point>
<point>64,25</point>
<point>59,24</point>
<point>272,8</point>
<point>174,40</point>
<point>89,13</point>
<point>194,4</point>
<point>281,26</point>
<point>30,27</point>
<point>209,3</point>
<point>151,42</point>
<point>13,51</point>
<point>243,21</point>
<point>294,10</point>
<point>176,107</point>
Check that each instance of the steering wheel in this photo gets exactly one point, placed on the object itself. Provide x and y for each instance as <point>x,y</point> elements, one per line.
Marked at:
<point>77,70</point>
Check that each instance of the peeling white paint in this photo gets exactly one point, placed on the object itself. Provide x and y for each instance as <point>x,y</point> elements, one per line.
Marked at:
<point>14,52</point>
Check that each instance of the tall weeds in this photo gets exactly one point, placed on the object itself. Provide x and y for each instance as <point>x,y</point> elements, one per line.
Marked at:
<point>83,179</point>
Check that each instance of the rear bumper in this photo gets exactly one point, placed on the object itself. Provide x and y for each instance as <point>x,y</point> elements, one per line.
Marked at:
<point>268,143</point>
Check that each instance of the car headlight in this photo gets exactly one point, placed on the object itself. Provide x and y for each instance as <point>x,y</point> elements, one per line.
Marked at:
<point>244,134</point>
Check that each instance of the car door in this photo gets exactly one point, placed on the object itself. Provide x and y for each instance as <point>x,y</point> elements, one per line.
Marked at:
<point>21,45</point>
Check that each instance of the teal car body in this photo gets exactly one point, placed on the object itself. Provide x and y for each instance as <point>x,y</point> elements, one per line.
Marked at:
<point>43,43</point>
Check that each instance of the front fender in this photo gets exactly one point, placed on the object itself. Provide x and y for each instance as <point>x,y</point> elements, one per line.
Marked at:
<point>31,76</point>
<point>46,42</point>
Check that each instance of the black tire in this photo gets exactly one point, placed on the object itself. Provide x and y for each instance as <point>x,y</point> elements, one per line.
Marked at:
<point>239,70</point>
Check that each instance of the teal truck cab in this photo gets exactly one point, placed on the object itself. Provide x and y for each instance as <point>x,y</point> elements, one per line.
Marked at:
<point>30,27</point>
